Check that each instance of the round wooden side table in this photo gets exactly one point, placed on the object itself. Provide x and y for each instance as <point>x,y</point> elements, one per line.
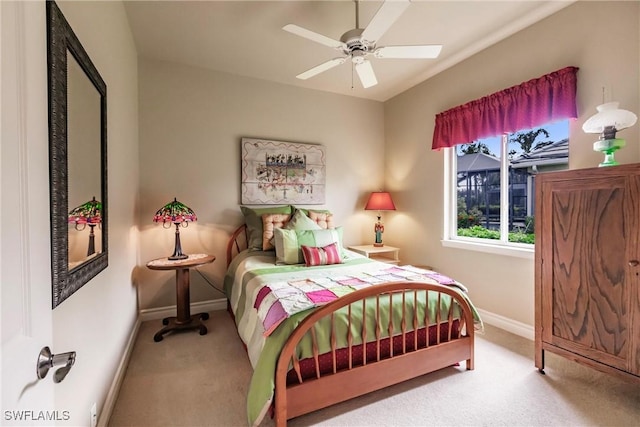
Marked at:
<point>184,319</point>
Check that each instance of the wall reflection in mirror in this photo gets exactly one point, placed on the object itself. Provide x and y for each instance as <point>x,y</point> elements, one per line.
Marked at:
<point>77,160</point>
<point>83,165</point>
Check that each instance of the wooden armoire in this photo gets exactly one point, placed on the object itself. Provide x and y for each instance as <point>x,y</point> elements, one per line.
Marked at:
<point>587,272</point>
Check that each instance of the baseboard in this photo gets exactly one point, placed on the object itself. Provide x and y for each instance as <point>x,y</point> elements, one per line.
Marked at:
<point>143,316</point>
<point>196,307</point>
<point>112,395</point>
<point>509,325</point>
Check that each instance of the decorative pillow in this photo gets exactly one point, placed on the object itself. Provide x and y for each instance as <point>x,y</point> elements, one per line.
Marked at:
<point>306,211</point>
<point>300,221</point>
<point>320,238</point>
<point>269,223</point>
<point>288,242</point>
<point>326,255</point>
<point>323,219</point>
<point>253,219</point>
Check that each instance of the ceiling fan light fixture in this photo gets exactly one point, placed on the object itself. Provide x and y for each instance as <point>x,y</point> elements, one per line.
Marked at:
<point>357,43</point>
<point>357,57</point>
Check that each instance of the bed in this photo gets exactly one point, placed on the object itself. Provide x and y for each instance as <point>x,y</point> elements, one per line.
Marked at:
<point>319,335</point>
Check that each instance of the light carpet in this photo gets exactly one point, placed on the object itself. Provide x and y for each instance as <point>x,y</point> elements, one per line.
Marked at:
<point>193,380</point>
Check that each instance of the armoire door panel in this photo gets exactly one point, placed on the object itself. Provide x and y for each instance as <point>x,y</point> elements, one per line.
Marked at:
<point>590,285</point>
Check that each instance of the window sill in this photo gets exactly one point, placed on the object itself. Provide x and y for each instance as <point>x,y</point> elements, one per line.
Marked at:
<point>491,248</point>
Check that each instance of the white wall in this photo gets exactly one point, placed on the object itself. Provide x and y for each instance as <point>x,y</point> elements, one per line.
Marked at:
<point>97,320</point>
<point>191,124</point>
<point>607,52</point>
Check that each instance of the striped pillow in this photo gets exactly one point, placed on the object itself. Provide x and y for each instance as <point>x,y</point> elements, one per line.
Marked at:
<point>326,255</point>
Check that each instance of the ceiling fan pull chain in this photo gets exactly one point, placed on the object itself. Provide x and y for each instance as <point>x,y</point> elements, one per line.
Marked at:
<point>352,65</point>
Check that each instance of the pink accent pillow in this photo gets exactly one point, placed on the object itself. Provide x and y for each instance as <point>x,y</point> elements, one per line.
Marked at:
<point>326,255</point>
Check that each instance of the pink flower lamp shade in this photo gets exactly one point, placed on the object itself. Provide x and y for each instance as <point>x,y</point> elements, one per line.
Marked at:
<point>178,214</point>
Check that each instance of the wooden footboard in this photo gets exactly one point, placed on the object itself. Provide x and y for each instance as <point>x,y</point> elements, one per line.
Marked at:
<point>367,375</point>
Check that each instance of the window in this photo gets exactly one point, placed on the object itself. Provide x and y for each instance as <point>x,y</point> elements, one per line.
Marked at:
<point>489,194</point>
<point>492,183</point>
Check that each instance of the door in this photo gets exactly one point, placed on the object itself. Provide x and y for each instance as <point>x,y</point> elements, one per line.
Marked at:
<point>25,262</point>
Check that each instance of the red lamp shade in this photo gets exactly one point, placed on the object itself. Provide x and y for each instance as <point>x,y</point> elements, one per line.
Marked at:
<point>380,201</point>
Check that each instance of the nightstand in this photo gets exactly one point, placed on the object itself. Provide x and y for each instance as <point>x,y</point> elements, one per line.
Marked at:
<point>387,254</point>
<point>184,319</point>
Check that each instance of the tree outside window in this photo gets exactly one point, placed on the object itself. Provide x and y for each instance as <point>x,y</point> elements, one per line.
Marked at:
<point>495,181</point>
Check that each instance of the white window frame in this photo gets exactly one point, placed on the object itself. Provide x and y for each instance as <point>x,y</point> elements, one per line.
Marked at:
<point>450,237</point>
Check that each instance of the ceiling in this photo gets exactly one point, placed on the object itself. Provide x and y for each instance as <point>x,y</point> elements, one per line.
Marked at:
<point>246,37</point>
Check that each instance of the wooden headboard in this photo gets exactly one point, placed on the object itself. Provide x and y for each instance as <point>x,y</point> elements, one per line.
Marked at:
<point>238,242</point>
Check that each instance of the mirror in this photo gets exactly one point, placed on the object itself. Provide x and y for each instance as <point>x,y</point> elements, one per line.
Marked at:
<point>77,160</point>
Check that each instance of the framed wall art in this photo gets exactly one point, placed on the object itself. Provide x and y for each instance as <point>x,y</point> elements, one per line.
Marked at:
<point>278,172</point>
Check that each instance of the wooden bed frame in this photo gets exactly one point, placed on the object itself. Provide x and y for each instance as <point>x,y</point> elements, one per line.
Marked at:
<point>302,396</point>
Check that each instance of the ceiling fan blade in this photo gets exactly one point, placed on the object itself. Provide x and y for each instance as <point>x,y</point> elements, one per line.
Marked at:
<point>320,68</point>
<point>318,38</point>
<point>384,18</point>
<point>366,74</point>
<point>419,52</point>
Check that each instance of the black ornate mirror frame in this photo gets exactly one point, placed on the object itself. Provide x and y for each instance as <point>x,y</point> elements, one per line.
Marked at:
<point>60,40</point>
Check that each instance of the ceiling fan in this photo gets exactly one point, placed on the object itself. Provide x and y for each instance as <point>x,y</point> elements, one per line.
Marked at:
<point>358,43</point>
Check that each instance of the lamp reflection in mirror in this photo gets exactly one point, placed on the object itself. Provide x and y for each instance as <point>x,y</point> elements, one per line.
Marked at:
<point>379,201</point>
<point>178,214</point>
<point>607,121</point>
<point>87,214</point>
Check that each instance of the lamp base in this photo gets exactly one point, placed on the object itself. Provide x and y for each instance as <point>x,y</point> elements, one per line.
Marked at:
<point>608,147</point>
<point>91,249</point>
<point>379,229</point>
<point>177,251</point>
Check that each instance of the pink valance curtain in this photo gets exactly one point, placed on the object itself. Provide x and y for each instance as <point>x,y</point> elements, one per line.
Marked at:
<point>533,103</point>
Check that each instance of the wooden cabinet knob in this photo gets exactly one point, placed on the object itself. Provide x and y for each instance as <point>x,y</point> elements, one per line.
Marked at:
<point>634,263</point>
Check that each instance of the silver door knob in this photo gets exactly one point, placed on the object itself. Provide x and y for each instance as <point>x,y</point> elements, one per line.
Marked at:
<point>47,360</point>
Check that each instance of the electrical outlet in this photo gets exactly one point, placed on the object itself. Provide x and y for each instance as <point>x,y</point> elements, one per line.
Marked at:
<point>94,415</point>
